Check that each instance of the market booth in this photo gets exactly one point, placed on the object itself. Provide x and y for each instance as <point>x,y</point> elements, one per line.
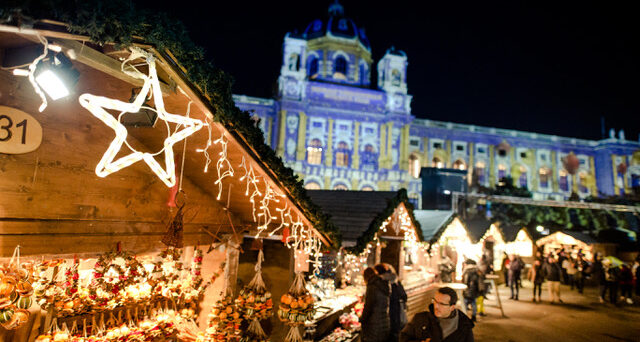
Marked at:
<point>129,189</point>
<point>519,242</point>
<point>376,226</point>
<point>575,242</point>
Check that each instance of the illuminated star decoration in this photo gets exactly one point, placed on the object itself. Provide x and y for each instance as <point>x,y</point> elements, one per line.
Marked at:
<point>97,104</point>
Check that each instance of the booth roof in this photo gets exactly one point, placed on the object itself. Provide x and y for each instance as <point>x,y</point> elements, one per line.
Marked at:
<point>580,236</point>
<point>476,227</point>
<point>509,232</point>
<point>433,221</point>
<point>352,211</point>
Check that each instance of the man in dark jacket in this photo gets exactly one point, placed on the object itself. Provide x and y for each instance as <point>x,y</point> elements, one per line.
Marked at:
<point>553,274</point>
<point>515,267</point>
<point>471,278</point>
<point>375,314</point>
<point>442,323</point>
<point>397,300</point>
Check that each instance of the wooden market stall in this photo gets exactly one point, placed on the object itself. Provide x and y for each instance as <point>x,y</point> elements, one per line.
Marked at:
<point>78,181</point>
<point>575,242</point>
<point>376,226</point>
<point>519,242</point>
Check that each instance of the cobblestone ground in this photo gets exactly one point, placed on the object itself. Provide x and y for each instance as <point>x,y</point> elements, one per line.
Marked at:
<point>580,318</point>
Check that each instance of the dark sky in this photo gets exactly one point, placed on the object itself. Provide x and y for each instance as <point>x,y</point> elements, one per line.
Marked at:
<point>549,67</point>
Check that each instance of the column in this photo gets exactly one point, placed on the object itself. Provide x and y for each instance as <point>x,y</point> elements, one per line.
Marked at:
<point>269,132</point>
<point>616,187</point>
<point>404,145</point>
<point>282,117</point>
<point>328,157</point>
<point>301,151</point>
<point>356,147</point>
<point>531,158</point>
<point>492,171</point>
<point>425,153</point>
<point>592,171</point>
<point>448,162</point>
<point>554,172</point>
<point>470,167</point>
<point>388,157</point>
<point>382,149</point>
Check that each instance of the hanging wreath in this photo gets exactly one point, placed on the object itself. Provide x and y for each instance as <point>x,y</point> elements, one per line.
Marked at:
<point>109,278</point>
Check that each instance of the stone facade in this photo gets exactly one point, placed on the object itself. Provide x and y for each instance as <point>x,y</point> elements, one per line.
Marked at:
<point>336,132</point>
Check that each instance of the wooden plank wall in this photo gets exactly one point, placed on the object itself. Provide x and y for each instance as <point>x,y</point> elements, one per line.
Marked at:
<point>52,202</point>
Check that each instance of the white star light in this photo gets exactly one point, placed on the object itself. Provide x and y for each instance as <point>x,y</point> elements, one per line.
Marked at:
<point>97,104</point>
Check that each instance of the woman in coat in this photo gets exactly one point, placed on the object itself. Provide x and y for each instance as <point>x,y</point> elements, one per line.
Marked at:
<point>397,300</point>
<point>375,314</point>
<point>537,278</point>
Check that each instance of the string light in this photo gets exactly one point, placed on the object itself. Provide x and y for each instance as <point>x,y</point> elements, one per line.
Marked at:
<point>285,217</point>
<point>221,163</point>
<point>97,104</point>
<point>205,150</point>
<point>32,69</point>
<point>270,195</point>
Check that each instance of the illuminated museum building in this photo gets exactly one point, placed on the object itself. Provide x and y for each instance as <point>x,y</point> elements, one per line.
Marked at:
<point>338,133</point>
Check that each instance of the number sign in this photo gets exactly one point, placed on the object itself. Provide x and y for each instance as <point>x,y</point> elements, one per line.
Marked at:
<point>19,131</point>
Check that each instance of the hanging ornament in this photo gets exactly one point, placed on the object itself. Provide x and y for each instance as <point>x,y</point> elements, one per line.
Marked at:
<point>225,319</point>
<point>255,333</point>
<point>296,306</point>
<point>254,299</point>
<point>175,229</point>
<point>97,105</point>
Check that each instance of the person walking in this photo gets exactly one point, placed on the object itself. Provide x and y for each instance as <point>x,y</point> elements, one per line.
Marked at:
<point>610,281</point>
<point>515,267</point>
<point>442,322</point>
<point>597,274</point>
<point>626,283</point>
<point>537,278</point>
<point>553,274</point>
<point>471,278</point>
<point>483,288</point>
<point>505,266</point>
<point>397,300</point>
<point>636,274</point>
<point>581,272</point>
<point>375,314</point>
<point>571,271</point>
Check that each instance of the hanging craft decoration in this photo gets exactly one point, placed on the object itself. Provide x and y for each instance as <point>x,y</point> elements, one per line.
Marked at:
<point>175,230</point>
<point>225,319</point>
<point>296,306</point>
<point>97,105</point>
<point>15,293</point>
<point>256,304</point>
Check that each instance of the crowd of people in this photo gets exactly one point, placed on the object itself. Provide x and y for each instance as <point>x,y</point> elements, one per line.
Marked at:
<point>384,317</point>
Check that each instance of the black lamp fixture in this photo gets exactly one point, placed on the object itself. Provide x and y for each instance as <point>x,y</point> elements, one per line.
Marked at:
<point>56,75</point>
<point>145,117</point>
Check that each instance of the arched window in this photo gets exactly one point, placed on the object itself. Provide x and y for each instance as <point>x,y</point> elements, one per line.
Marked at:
<point>522,181</point>
<point>635,180</point>
<point>342,154</point>
<point>369,158</point>
<point>367,188</point>
<point>563,180</point>
<point>460,165</point>
<point>340,186</point>
<point>363,74</point>
<point>502,171</point>
<point>341,65</point>
<point>415,200</point>
<point>583,186</point>
<point>544,177</point>
<point>312,186</point>
<point>313,67</point>
<point>436,162</point>
<point>479,173</point>
<point>294,62</point>
<point>414,166</point>
<point>395,78</point>
<point>314,152</point>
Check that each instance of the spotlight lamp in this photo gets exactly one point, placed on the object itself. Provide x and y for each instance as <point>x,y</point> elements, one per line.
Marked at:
<point>145,117</point>
<point>540,229</point>
<point>56,76</point>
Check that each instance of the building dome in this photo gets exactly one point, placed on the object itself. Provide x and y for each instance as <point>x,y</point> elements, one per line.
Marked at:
<point>337,25</point>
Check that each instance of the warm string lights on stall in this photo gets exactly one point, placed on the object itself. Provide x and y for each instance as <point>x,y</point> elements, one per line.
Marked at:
<point>221,164</point>
<point>32,69</point>
<point>205,150</point>
<point>270,195</point>
<point>97,105</point>
<point>285,218</point>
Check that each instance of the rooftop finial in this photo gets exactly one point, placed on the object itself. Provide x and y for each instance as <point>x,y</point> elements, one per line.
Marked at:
<point>335,9</point>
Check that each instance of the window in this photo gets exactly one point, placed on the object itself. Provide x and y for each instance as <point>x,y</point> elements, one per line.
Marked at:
<point>437,145</point>
<point>481,150</point>
<point>460,165</point>
<point>294,62</point>
<point>340,186</point>
<point>341,65</point>
<point>369,130</point>
<point>316,124</point>
<point>363,74</point>
<point>314,152</point>
<point>523,154</point>
<point>436,162</point>
<point>369,158</point>
<point>502,153</point>
<point>522,181</point>
<point>459,147</point>
<point>502,171</point>
<point>563,180</point>
<point>414,142</point>
<point>395,78</point>
<point>479,173</point>
<point>342,154</point>
<point>414,166</point>
<point>543,157</point>
<point>313,67</point>
<point>343,127</point>
<point>544,177</point>
<point>312,186</point>
<point>583,183</point>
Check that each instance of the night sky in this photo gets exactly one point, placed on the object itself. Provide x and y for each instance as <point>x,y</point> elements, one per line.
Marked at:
<point>553,68</point>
